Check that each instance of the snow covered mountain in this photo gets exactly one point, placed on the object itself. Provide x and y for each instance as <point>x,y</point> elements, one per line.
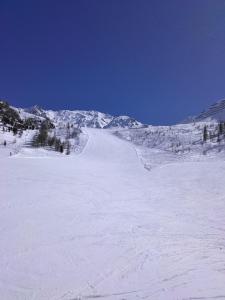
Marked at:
<point>35,110</point>
<point>183,139</point>
<point>95,119</point>
<point>216,112</point>
<point>124,122</point>
<point>82,118</point>
<point>79,118</point>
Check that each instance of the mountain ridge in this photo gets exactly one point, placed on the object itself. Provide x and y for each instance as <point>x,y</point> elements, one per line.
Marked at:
<point>215,112</point>
<point>84,118</point>
<point>96,119</point>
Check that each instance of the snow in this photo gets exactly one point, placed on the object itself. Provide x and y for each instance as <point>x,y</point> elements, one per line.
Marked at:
<point>80,118</point>
<point>124,122</point>
<point>215,112</point>
<point>158,145</point>
<point>14,142</point>
<point>99,225</point>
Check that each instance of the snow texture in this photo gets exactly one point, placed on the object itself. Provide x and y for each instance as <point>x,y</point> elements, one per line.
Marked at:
<point>98,225</point>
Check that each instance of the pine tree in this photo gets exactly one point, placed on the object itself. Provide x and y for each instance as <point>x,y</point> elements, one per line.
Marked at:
<point>15,130</point>
<point>42,138</point>
<point>205,134</point>
<point>68,131</point>
<point>68,146</point>
<point>57,144</point>
<point>61,148</point>
<point>220,128</point>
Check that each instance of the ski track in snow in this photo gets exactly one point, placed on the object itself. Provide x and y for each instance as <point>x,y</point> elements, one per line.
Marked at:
<point>98,225</point>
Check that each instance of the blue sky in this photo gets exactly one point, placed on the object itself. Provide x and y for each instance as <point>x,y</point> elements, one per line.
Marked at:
<point>155,60</point>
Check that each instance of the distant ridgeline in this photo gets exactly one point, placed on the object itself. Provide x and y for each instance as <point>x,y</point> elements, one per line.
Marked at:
<point>216,112</point>
<point>45,132</point>
<point>10,119</point>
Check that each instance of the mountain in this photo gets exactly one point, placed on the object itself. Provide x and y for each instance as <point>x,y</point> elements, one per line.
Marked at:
<point>124,122</point>
<point>194,137</point>
<point>83,118</point>
<point>36,110</point>
<point>80,118</point>
<point>216,112</point>
<point>95,119</point>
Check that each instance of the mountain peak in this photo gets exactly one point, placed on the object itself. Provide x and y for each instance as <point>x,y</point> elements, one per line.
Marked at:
<point>215,112</point>
<point>124,122</point>
<point>36,110</point>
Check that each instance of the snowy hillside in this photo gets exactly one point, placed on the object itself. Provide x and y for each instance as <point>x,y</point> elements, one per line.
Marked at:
<point>215,112</point>
<point>34,110</point>
<point>171,143</point>
<point>132,212</point>
<point>158,145</point>
<point>98,225</point>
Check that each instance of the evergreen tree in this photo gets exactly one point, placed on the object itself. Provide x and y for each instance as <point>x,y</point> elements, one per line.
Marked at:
<point>68,147</point>
<point>41,138</point>
<point>15,130</point>
<point>61,148</point>
<point>220,128</point>
<point>205,134</point>
<point>57,144</point>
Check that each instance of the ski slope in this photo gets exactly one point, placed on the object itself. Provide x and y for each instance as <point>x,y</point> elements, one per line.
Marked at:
<point>99,225</point>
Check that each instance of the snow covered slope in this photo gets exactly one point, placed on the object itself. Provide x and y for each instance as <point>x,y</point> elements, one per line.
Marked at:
<point>181,139</point>
<point>124,122</point>
<point>82,118</point>
<point>98,225</point>
<point>35,110</point>
<point>215,112</point>
<point>157,145</point>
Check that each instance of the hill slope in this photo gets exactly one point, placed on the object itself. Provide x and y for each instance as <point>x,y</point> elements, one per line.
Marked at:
<point>99,225</point>
<point>215,112</point>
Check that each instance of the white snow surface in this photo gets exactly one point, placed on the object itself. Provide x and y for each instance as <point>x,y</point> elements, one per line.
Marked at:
<point>99,225</point>
<point>159,145</point>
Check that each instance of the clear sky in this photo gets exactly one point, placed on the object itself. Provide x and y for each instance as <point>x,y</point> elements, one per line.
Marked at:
<point>155,60</point>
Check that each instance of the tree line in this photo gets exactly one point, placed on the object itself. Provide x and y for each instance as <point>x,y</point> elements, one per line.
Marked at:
<point>44,139</point>
<point>11,120</point>
<point>218,132</point>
